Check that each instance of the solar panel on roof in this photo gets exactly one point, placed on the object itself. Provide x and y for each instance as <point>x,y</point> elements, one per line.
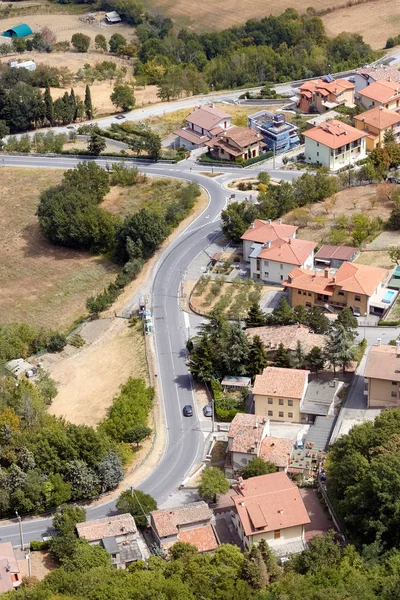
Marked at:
<point>329,78</point>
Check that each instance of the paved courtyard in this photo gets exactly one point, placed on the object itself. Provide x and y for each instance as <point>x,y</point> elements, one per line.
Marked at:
<point>320,521</point>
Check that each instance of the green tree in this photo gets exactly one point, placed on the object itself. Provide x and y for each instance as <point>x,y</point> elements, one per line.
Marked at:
<point>100,42</point>
<point>122,96</point>
<point>315,360</point>
<point>116,41</point>
<point>283,314</point>
<point>137,434</point>
<point>339,348</point>
<point>80,42</point>
<point>348,321</point>
<point>212,483</point>
<point>48,100</point>
<point>57,342</point>
<point>317,321</point>
<point>255,317</point>
<point>138,504</point>
<point>202,362</point>
<point>282,357</point>
<point>96,144</point>
<point>389,136</point>
<point>85,557</point>
<point>182,550</point>
<point>394,254</point>
<point>47,386</point>
<point>88,104</point>
<point>89,178</point>
<point>110,472</point>
<point>4,130</point>
<point>257,357</point>
<point>257,466</point>
<point>299,356</point>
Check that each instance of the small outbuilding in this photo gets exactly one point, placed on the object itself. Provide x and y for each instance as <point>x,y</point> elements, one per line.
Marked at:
<point>113,17</point>
<point>19,367</point>
<point>19,31</point>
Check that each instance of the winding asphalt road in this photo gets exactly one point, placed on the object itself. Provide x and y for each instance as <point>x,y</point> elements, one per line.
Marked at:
<point>185,440</point>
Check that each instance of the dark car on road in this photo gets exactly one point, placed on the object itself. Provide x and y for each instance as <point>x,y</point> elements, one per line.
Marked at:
<point>188,411</point>
<point>207,410</point>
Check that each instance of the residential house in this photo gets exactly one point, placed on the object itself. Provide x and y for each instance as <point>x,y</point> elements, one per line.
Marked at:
<point>321,95</point>
<point>270,508</point>
<point>288,335</point>
<point>235,143</point>
<point>260,232</point>
<point>320,399</point>
<point>192,523</point>
<point>278,251</point>
<point>204,124</point>
<point>377,122</point>
<point>249,437</point>
<point>382,377</point>
<point>9,570</point>
<point>233,383</point>
<point>334,145</point>
<point>279,393</point>
<point>334,256</point>
<point>354,286</point>
<point>394,281</point>
<point>366,75</point>
<point>118,535</point>
<point>278,134</point>
<point>384,93</point>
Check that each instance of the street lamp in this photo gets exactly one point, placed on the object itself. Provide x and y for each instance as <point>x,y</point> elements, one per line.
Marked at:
<point>20,530</point>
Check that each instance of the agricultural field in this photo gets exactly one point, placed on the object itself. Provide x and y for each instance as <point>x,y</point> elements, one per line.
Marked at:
<point>40,283</point>
<point>316,222</point>
<point>234,298</point>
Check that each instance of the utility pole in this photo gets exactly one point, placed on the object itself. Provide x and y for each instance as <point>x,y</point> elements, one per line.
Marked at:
<point>20,530</point>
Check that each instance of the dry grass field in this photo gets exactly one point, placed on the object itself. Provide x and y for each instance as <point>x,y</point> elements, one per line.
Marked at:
<point>40,283</point>
<point>375,21</point>
<point>320,217</point>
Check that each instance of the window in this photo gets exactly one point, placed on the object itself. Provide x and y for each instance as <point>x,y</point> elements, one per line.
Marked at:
<point>394,394</point>
<point>290,415</point>
<point>341,293</point>
<point>266,273</point>
<point>357,298</point>
<point>317,153</point>
<point>277,534</point>
<point>270,413</point>
<point>308,304</point>
<point>266,263</point>
<point>299,292</point>
<point>309,293</point>
<point>281,414</point>
<point>281,402</point>
<point>270,401</point>
<point>281,277</point>
<point>290,402</point>
<point>394,382</point>
<point>258,264</point>
<point>281,267</point>
<point>304,293</point>
<point>317,143</point>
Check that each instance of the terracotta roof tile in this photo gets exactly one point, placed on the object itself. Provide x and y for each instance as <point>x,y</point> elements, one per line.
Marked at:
<point>288,335</point>
<point>202,537</point>
<point>286,383</point>
<point>192,136</point>
<point>336,87</point>
<point>334,134</point>
<point>383,363</point>
<point>379,73</point>
<point>263,231</point>
<point>276,451</point>
<point>339,252</point>
<point>379,117</point>
<point>106,527</point>
<point>291,251</point>
<point>382,91</point>
<point>168,520</point>
<point>269,503</point>
<point>207,117</point>
<point>247,432</point>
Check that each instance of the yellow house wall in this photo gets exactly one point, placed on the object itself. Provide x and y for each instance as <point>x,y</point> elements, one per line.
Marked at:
<point>287,535</point>
<point>262,407</point>
<point>380,393</point>
<point>348,299</point>
<point>348,95</point>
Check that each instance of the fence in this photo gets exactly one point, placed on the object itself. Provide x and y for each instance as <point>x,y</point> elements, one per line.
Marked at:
<point>337,522</point>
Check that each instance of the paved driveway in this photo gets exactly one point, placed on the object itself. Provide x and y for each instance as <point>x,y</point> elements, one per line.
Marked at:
<point>320,522</point>
<point>271,300</point>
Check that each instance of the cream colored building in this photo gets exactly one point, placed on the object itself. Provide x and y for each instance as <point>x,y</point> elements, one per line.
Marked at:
<point>384,93</point>
<point>376,123</point>
<point>270,508</point>
<point>382,377</point>
<point>334,145</point>
<point>279,393</point>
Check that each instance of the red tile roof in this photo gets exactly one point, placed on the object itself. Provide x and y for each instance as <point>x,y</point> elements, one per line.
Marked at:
<point>285,383</point>
<point>202,537</point>
<point>334,134</point>
<point>276,451</point>
<point>106,527</point>
<point>168,520</point>
<point>263,231</point>
<point>350,277</point>
<point>192,136</point>
<point>291,251</point>
<point>269,503</point>
<point>246,432</point>
<point>383,363</point>
<point>382,91</point>
<point>339,252</point>
<point>378,117</point>
<point>207,117</point>
<point>336,87</point>
<point>379,73</point>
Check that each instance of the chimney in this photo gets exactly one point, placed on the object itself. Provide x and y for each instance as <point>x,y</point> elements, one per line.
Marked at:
<point>378,341</point>
<point>267,244</point>
<point>280,221</point>
<point>326,272</point>
<point>290,279</point>
<point>252,225</point>
<point>289,241</point>
<point>270,221</point>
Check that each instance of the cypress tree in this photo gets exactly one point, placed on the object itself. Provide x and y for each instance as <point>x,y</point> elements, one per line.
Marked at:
<point>49,107</point>
<point>88,104</point>
<point>255,316</point>
<point>73,104</point>
<point>282,358</point>
<point>258,357</point>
